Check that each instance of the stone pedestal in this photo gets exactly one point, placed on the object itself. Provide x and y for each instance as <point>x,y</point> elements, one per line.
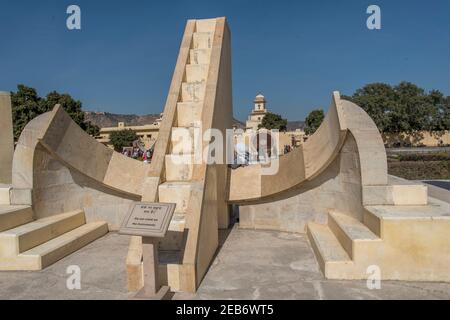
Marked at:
<point>152,289</point>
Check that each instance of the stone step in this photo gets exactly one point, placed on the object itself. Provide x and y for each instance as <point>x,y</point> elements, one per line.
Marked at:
<point>349,231</point>
<point>179,167</point>
<point>174,239</point>
<point>326,246</point>
<point>12,216</point>
<point>177,192</point>
<point>4,195</point>
<point>182,141</point>
<point>193,91</point>
<point>206,25</point>
<point>57,248</point>
<point>202,40</point>
<point>199,56</point>
<point>189,114</point>
<point>30,235</point>
<point>196,72</point>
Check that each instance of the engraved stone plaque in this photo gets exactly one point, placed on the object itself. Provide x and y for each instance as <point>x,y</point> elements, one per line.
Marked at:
<point>148,219</point>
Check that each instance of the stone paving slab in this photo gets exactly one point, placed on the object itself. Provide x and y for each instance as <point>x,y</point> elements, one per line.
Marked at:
<point>250,265</point>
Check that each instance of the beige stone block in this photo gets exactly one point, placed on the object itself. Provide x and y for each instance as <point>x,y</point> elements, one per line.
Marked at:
<point>196,72</point>
<point>202,40</point>
<point>189,113</point>
<point>410,195</point>
<point>4,195</point>
<point>395,195</point>
<point>135,275</point>
<point>179,167</point>
<point>199,56</point>
<point>183,141</point>
<point>21,196</point>
<point>205,25</point>
<point>193,91</point>
<point>176,192</point>
<point>173,276</point>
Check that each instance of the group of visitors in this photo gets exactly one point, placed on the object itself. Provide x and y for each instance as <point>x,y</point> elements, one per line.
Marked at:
<point>138,154</point>
<point>242,155</point>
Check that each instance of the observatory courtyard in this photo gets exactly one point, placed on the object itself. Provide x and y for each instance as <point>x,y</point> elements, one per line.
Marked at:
<point>206,220</point>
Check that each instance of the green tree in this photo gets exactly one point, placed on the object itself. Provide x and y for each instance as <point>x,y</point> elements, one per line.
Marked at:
<point>404,107</point>
<point>272,121</point>
<point>73,109</point>
<point>91,129</point>
<point>313,121</point>
<point>415,107</point>
<point>378,100</point>
<point>122,138</point>
<point>26,105</point>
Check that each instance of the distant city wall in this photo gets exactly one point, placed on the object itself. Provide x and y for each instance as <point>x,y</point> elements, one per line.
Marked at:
<point>418,139</point>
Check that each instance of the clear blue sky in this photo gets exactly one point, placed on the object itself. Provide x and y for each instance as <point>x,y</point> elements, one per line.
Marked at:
<point>294,52</point>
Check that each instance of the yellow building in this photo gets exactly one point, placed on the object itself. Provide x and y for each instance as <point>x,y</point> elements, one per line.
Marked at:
<point>147,133</point>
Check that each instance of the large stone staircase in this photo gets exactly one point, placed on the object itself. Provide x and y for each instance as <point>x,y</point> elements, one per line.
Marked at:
<point>29,244</point>
<point>179,186</point>
<point>199,100</point>
<point>395,238</point>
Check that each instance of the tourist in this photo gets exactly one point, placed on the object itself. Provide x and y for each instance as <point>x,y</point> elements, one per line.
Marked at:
<point>145,157</point>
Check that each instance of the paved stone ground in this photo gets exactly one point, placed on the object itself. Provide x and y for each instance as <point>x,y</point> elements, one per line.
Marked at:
<point>103,274</point>
<point>250,265</point>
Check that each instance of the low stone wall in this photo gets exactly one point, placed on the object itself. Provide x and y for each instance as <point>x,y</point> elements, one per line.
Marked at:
<point>338,187</point>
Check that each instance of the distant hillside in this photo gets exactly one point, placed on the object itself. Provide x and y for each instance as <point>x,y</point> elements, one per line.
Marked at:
<point>294,125</point>
<point>105,119</point>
